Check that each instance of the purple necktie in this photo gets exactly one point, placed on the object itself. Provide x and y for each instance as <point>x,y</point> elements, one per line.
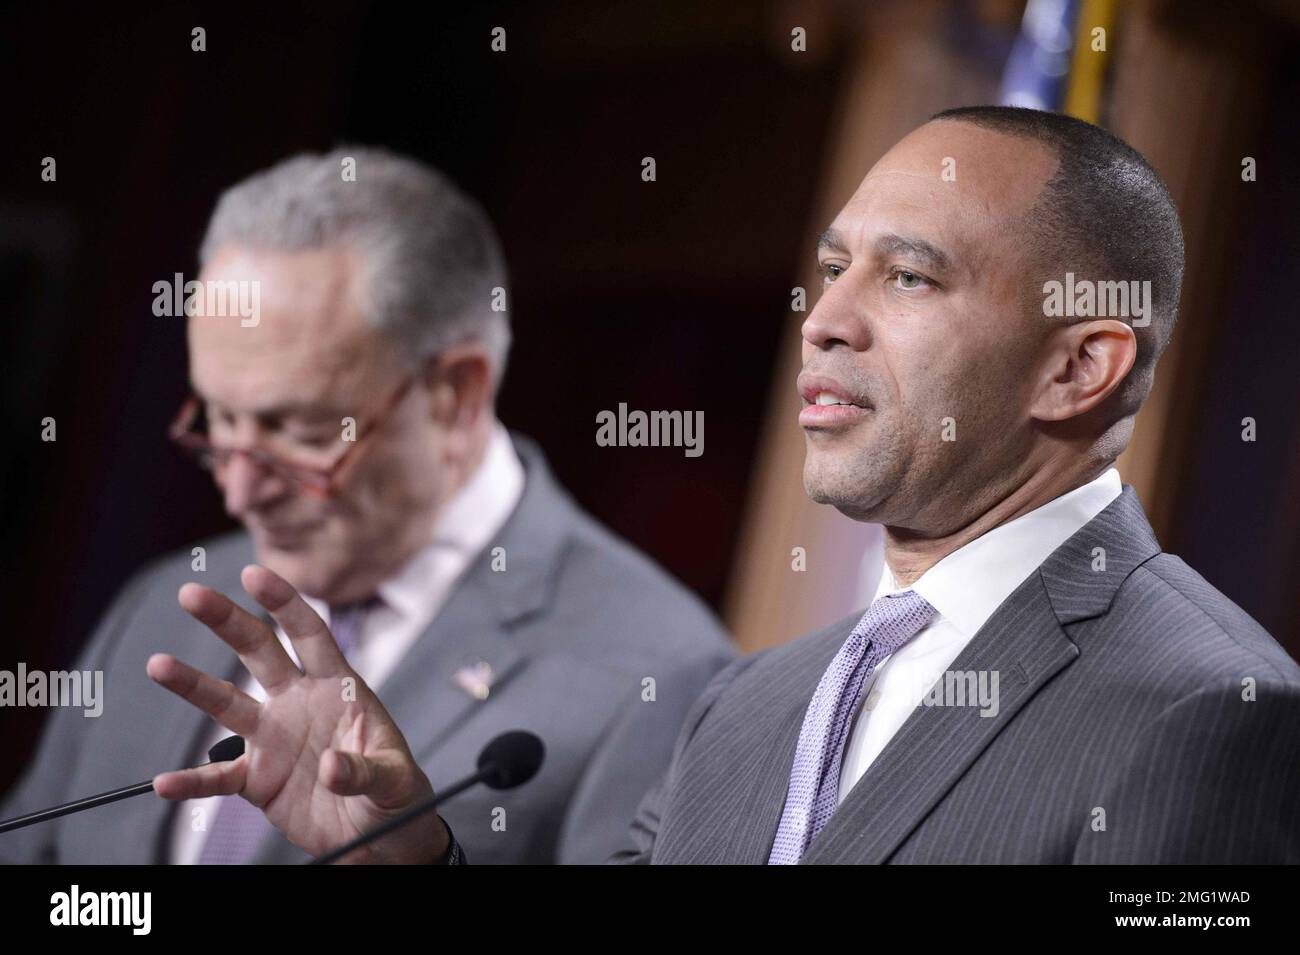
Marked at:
<point>811,798</point>
<point>239,827</point>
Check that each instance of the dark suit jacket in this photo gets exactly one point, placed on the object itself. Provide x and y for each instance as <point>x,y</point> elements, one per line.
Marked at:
<point>1144,718</point>
<point>571,629</point>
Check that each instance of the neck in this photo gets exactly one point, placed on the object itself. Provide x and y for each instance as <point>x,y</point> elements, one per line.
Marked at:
<point>461,468</point>
<point>458,472</point>
<point>910,553</point>
<point>475,453</point>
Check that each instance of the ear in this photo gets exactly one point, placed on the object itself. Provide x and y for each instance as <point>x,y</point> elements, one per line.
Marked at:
<point>459,380</point>
<point>1086,362</point>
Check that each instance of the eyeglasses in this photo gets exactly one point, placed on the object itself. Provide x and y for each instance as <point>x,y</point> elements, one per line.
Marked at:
<point>190,431</point>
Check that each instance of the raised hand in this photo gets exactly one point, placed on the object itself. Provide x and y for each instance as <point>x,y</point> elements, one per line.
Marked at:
<point>323,764</point>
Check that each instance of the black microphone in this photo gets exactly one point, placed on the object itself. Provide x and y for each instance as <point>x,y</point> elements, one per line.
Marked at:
<point>509,760</point>
<point>232,747</point>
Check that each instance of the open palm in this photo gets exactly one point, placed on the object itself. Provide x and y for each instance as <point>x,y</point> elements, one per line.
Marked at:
<point>323,759</point>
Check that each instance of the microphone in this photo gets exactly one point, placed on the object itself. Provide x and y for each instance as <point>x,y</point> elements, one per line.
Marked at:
<point>509,760</point>
<point>230,748</point>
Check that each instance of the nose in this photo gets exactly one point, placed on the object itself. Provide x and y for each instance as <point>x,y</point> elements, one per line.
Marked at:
<point>246,485</point>
<point>838,318</point>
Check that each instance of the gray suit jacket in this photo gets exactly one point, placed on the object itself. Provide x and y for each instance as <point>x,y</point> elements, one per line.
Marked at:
<point>571,629</point>
<point>1143,718</point>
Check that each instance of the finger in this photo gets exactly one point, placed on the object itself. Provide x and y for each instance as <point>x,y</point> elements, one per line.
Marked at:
<point>384,778</point>
<point>255,642</point>
<point>222,700</point>
<point>316,647</point>
<point>214,779</point>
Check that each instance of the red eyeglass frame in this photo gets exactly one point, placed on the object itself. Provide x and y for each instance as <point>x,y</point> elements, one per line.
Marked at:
<point>316,480</point>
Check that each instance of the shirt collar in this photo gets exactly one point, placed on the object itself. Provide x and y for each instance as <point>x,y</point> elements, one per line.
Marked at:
<point>968,585</point>
<point>469,520</point>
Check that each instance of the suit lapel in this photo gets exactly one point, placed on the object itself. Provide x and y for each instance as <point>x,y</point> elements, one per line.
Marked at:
<point>1026,646</point>
<point>486,604</point>
<point>1026,643</point>
<point>423,695</point>
<point>770,773</point>
<point>735,784</point>
<point>474,627</point>
<point>751,844</point>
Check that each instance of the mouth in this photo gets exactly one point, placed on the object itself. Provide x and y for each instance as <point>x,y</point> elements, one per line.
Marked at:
<point>829,405</point>
<point>285,535</point>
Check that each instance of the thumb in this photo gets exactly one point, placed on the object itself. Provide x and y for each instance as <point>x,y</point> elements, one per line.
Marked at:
<point>384,777</point>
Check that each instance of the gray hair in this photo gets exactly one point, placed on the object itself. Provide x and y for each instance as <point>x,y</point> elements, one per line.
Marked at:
<point>432,257</point>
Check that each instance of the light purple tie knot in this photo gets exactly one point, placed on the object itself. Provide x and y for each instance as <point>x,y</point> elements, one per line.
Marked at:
<point>346,623</point>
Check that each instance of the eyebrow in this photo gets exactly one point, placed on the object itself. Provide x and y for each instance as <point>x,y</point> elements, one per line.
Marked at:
<point>832,240</point>
<point>306,410</point>
<point>891,244</point>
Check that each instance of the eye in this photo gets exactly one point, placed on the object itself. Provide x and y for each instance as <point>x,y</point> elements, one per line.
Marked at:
<point>316,439</point>
<point>830,271</point>
<point>217,420</point>
<point>909,281</point>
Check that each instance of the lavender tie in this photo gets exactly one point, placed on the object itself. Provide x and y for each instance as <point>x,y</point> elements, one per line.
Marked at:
<point>239,827</point>
<point>811,799</point>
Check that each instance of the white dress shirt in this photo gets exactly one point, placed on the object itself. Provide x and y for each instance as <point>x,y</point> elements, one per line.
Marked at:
<point>964,588</point>
<point>410,599</point>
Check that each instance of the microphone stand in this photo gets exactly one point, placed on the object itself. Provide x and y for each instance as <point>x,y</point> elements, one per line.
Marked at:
<point>419,809</point>
<point>232,747</point>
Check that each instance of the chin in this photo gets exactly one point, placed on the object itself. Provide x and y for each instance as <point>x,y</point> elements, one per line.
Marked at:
<point>822,488</point>
<point>852,494</point>
<point>825,475</point>
<point>297,567</point>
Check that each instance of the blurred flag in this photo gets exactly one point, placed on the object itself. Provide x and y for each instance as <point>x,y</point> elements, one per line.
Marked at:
<point>1039,64</point>
<point>1092,30</point>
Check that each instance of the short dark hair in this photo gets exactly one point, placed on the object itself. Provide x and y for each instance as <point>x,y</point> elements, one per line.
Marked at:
<point>1104,213</point>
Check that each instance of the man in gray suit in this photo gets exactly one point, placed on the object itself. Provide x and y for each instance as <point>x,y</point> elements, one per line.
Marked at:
<point>1035,682</point>
<point>348,418</point>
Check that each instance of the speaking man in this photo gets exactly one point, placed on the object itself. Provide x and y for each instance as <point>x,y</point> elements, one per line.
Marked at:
<point>350,426</point>
<point>1034,682</point>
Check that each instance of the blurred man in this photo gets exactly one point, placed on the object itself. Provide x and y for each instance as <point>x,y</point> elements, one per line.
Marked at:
<point>350,426</point>
<point>1036,681</point>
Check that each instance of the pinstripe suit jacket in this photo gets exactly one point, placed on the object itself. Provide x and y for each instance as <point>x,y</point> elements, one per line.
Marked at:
<point>1143,718</point>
